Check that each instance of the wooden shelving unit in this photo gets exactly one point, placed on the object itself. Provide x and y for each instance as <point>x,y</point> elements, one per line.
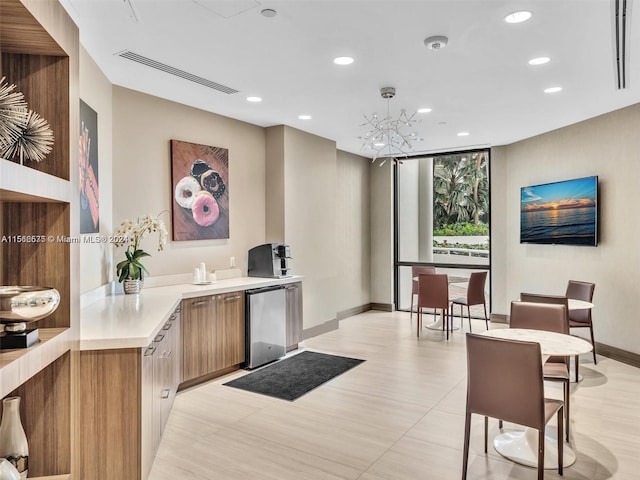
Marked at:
<point>39,53</point>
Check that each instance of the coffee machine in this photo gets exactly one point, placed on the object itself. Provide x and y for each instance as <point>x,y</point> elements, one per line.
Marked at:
<point>270,260</point>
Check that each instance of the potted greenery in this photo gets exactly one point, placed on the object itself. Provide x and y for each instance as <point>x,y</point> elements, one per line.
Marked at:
<point>131,271</point>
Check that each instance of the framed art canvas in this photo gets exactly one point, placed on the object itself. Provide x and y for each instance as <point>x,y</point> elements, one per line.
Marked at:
<point>89,191</point>
<point>200,189</point>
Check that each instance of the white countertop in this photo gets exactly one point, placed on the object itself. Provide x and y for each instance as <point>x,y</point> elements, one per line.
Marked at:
<point>133,321</point>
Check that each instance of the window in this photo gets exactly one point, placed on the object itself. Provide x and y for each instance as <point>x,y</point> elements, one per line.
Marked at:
<point>441,218</point>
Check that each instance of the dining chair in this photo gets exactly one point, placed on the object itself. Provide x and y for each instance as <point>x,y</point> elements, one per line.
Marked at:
<point>552,318</point>
<point>504,380</point>
<point>415,271</point>
<point>433,292</point>
<point>581,318</point>
<point>475,296</point>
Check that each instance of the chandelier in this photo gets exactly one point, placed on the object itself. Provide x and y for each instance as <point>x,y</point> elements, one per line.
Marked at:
<point>389,137</point>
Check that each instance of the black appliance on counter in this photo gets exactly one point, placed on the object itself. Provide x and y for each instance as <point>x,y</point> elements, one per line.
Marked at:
<point>270,260</point>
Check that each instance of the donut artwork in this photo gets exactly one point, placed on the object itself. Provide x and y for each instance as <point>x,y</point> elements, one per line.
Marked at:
<point>200,177</point>
<point>205,209</point>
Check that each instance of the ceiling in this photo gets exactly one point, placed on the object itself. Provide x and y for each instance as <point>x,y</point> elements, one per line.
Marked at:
<point>481,83</point>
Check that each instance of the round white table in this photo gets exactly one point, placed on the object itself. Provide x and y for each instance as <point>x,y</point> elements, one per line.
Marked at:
<point>579,304</point>
<point>437,325</point>
<point>522,447</point>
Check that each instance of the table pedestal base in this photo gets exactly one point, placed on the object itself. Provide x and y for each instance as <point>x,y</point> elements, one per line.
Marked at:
<point>522,448</point>
<point>437,325</point>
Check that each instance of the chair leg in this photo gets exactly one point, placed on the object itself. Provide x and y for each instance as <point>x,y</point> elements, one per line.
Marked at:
<point>500,424</point>
<point>468,315</point>
<point>467,434</point>
<point>446,321</point>
<point>486,319</point>
<point>560,443</point>
<point>567,396</point>
<point>593,342</point>
<point>541,453</point>
<point>577,367</point>
<point>486,434</point>
<point>418,322</point>
<point>411,308</point>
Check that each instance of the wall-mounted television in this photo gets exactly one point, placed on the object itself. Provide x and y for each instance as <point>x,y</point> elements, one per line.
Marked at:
<point>560,213</point>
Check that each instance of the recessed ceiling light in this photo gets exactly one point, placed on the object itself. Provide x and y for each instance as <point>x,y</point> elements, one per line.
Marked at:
<point>378,144</point>
<point>268,12</point>
<point>424,110</point>
<point>518,17</point>
<point>463,134</point>
<point>539,61</point>
<point>254,99</point>
<point>304,117</point>
<point>343,60</point>
<point>552,89</point>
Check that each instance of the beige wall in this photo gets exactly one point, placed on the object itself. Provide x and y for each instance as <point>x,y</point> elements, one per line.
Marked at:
<point>96,262</point>
<point>310,220</point>
<point>607,146</point>
<point>143,125</point>
<point>381,205</point>
<point>353,249</point>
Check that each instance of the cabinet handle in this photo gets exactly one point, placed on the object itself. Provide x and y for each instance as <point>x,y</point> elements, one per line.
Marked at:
<point>236,297</point>
<point>167,326</point>
<point>159,337</point>
<point>290,288</point>
<point>200,302</point>
<point>165,393</point>
<point>149,351</point>
<point>167,354</point>
<point>172,317</point>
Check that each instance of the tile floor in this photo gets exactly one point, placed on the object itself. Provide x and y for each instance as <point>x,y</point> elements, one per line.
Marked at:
<point>397,416</point>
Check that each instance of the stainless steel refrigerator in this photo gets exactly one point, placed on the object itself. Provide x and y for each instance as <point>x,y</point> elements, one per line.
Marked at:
<point>266,325</point>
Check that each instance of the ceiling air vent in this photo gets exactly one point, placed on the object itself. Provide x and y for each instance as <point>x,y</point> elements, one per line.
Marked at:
<point>175,71</point>
<point>621,34</point>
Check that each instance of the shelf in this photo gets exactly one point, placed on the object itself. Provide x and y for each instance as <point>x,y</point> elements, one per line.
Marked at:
<point>23,184</point>
<point>19,365</point>
<point>52,477</point>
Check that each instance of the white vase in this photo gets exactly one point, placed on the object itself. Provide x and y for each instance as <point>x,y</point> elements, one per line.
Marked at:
<point>8,471</point>
<point>13,440</point>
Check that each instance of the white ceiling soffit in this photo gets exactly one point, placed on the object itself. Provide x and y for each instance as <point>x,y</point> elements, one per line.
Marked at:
<point>227,9</point>
<point>135,57</point>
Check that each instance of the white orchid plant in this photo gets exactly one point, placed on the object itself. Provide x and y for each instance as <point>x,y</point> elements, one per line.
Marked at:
<point>131,233</point>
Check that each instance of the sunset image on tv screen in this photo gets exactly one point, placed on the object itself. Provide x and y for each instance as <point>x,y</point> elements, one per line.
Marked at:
<point>562,213</point>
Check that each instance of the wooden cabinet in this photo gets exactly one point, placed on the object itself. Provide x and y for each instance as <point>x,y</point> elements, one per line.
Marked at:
<point>293,296</point>
<point>125,412</point>
<point>213,338</point>
<point>39,53</point>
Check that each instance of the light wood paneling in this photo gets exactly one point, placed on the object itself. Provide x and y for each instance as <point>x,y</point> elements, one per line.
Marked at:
<point>111,414</point>
<point>230,339</point>
<point>294,314</point>
<point>20,32</point>
<point>45,413</point>
<point>44,81</point>
<point>40,263</point>
<point>198,317</point>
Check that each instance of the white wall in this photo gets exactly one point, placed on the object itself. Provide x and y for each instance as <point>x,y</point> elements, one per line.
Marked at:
<point>96,262</point>
<point>607,146</point>
<point>143,125</point>
<point>353,248</point>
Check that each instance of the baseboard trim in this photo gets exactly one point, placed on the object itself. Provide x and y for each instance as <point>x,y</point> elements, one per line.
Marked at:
<point>618,354</point>
<point>350,312</point>
<point>498,318</point>
<point>385,307</point>
<point>325,327</point>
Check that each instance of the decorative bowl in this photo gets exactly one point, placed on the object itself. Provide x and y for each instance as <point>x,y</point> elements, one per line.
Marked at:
<point>23,304</point>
